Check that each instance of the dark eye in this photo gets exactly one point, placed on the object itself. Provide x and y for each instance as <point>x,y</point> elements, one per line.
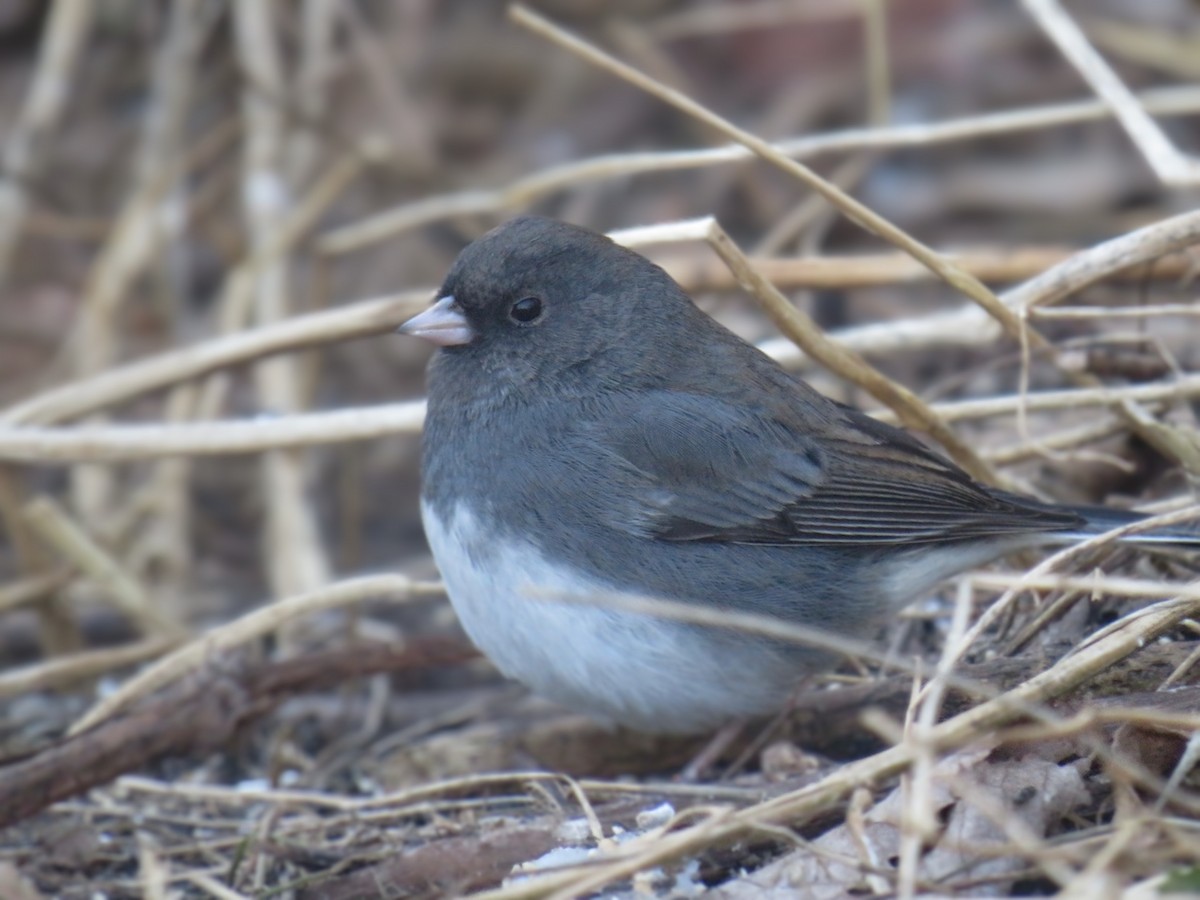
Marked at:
<point>526,311</point>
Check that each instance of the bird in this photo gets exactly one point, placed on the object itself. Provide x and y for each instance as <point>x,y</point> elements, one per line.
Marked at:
<point>591,431</point>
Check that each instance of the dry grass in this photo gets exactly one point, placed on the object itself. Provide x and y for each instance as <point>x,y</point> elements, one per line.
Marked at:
<point>182,280</point>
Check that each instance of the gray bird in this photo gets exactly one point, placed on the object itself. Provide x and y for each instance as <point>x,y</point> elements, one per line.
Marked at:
<point>591,431</point>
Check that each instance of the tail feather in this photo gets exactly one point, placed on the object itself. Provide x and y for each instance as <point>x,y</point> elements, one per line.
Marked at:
<point>1099,519</point>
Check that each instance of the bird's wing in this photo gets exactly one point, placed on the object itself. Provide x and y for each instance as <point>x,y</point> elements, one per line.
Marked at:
<point>696,468</point>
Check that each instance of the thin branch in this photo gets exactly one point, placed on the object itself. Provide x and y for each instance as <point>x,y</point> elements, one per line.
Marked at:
<point>66,29</point>
<point>524,192</point>
<point>264,620</point>
<point>113,443</point>
<point>75,399</point>
<point>71,542</point>
<point>1171,166</point>
<point>910,408</point>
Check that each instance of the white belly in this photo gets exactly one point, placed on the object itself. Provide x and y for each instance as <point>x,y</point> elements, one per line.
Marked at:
<point>648,673</point>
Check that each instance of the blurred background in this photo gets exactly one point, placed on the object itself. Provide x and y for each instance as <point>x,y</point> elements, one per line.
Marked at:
<point>174,172</point>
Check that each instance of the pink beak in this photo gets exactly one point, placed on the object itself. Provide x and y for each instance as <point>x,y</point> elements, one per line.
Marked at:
<point>442,324</point>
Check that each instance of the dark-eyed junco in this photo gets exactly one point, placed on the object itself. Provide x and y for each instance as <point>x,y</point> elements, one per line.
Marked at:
<point>591,430</point>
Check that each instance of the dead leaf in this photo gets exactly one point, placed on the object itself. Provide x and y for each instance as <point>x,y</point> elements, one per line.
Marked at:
<point>980,800</point>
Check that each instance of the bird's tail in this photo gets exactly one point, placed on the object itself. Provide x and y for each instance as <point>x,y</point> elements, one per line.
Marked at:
<point>1098,519</point>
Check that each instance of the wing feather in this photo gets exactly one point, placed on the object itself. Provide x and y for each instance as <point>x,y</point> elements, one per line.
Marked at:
<point>707,470</point>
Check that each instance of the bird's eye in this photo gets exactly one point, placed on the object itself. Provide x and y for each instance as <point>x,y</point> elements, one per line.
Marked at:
<point>526,311</point>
